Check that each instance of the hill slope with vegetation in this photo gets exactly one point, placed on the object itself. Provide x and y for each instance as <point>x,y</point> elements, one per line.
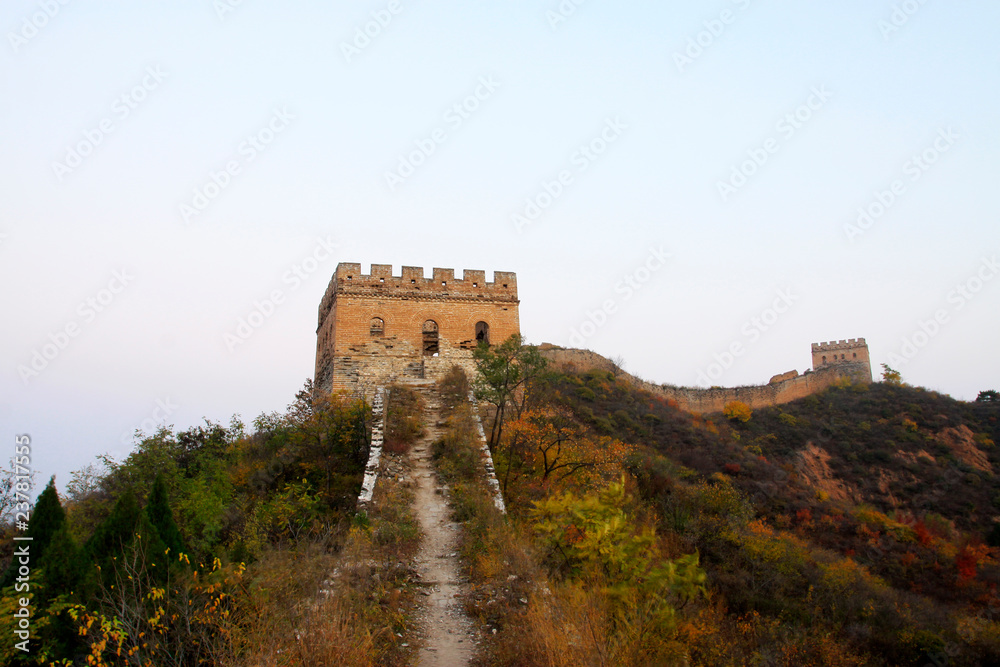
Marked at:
<point>216,546</point>
<point>854,527</point>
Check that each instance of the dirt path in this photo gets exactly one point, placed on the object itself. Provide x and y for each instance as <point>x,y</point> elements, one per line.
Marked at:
<point>448,634</point>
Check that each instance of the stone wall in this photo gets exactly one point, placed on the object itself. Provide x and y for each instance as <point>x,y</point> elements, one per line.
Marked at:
<point>782,389</point>
<point>352,354</point>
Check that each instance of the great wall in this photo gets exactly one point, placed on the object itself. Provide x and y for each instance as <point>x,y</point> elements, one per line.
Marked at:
<point>782,388</point>
<point>377,328</point>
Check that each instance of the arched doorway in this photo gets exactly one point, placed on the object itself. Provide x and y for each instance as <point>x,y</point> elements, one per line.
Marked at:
<point>482,332</point>
<point>431,338</point>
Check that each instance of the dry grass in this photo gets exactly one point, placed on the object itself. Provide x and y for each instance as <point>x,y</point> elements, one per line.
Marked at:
<point>306,606</point>
<point>404,419</point>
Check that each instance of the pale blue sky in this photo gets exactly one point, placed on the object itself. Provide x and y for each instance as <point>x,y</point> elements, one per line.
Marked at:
<point>343,125</point>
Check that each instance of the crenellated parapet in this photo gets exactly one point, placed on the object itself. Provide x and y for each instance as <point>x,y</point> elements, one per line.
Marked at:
<point>836,345</point>
<point>412,284</point>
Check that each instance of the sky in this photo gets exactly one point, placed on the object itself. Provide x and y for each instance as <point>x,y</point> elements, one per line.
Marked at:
<point>667,180</point>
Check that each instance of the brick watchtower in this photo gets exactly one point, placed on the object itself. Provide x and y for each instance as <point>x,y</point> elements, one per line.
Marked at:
<point>850,355</point>
<point>375,328</point>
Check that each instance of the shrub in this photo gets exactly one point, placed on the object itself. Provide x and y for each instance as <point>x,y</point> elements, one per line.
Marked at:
<point>403,425</point>
<point>737,411</point>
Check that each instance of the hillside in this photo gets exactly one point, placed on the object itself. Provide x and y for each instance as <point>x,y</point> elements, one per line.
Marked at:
<point>898,478</point>
<point>852,527</point>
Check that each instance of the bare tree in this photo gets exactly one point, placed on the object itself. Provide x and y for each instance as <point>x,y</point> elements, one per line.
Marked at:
<point>617,364</point>
<point>8,497</point>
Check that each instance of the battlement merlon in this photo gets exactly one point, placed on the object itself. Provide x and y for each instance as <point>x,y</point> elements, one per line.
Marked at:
<point>850,343</point>
<point>348,279</point>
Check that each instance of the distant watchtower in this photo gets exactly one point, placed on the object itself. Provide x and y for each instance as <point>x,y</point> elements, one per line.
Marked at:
<point>851,355</point>
<point>375,328</point>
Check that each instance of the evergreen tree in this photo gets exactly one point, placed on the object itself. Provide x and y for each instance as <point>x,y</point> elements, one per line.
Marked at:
<point>126,532</point>
<point>61,575</point>
<point>146,540</point>
<point>61,565</point>
<point>46,518</point>
<point>114,533</point>
<point>160,516</point>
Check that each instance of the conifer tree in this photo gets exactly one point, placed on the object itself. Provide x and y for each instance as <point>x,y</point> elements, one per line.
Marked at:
<point>146,540</point>
<point>158,511</point>
<point>61,564</point>
<point>46,518</point>
<point>115,532</point>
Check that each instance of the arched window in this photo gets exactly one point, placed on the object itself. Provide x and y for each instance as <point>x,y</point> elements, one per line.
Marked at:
<point>824,358</point>
<point>430,338</point>
<point>377,327</point>
<point>482,332</point>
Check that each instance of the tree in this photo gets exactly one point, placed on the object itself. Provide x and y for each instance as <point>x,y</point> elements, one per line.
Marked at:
<point>594,535</point>
<point>551,442</point>
<point>160,516</point>
<point>737,411</point>
<point>85,482</point>
<point>328,439</point>
<point>59,575</point>
<point>891,376</point>
<point>61,564</point>
<point>988,396</point>
<point>8,485</point>
<point>46,518</point>
<point>505,375</point>
<point>617,365</point>
<point>156,454</point>
<point>115,532</point>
